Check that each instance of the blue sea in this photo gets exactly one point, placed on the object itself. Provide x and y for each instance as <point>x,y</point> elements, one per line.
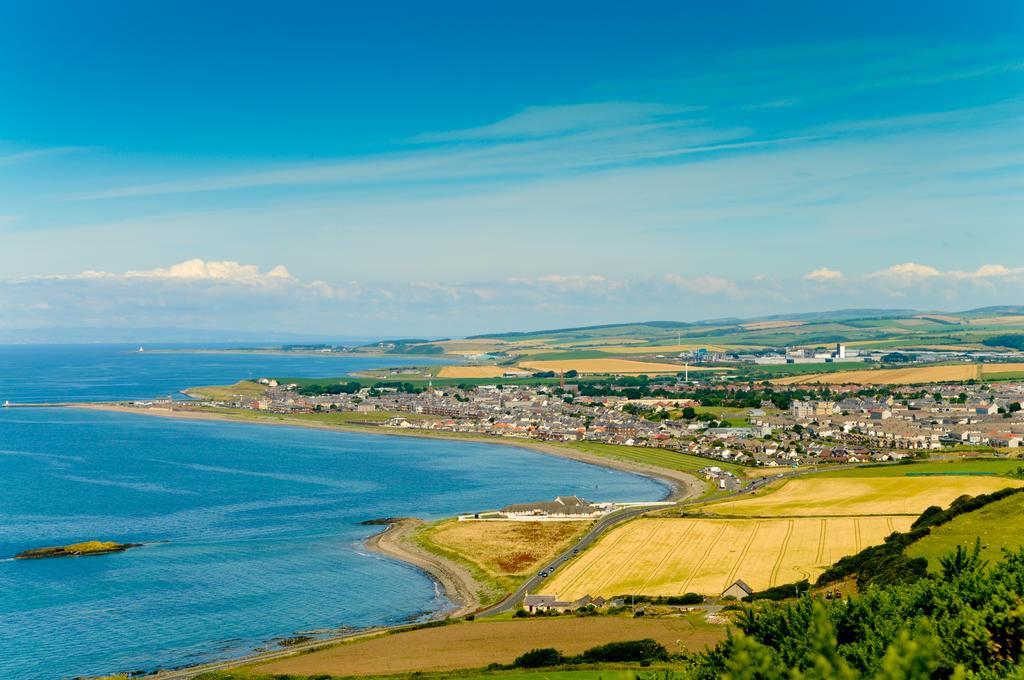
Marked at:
<point>251,532</point>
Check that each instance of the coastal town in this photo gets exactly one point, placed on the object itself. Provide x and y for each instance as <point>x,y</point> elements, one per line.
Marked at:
<point>780,426</point>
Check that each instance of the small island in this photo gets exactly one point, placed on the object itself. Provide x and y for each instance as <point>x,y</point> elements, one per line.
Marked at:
<point>75,550</point>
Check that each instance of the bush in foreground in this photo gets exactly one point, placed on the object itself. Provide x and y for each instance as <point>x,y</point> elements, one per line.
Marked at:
<point>966,622</point>
<point>644,651</point>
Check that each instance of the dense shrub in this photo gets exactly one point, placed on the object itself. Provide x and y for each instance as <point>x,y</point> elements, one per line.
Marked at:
<point>782,592</point>
<point>315,390</point>
<point>1014,340</point>
<point>631,650</point>
<point>539,658</point>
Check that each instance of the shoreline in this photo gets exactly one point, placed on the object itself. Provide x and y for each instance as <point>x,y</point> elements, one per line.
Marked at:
<point>680,485</point>
<point>456,582</point>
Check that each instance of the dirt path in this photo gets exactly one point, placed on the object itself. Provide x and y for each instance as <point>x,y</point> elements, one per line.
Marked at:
<point>458,584</point>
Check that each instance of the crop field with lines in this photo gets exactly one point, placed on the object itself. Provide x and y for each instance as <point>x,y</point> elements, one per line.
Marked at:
<point>838,496</point>
<point>905,376</point>
<point>605,366</point>
<point>672,556</point>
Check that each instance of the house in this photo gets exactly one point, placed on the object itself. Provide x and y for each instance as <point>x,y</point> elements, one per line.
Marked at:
<point>546,603</point>
<point>563,507</point>
<point>738,590</point>
<point>1007,439</point>
<point>986,409</point>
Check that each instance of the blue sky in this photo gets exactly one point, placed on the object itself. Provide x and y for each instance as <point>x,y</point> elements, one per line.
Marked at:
<point>450,168</point>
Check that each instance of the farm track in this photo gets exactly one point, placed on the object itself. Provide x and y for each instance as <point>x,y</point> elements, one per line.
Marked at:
<point>669,554</point>
<point>704,558</point>
<point>821,541</point>
<point>635,552</point>
<point>743,554</point>
<point>774,578</point>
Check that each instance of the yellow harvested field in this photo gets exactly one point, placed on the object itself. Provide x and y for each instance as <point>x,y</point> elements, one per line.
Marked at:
<point>992,369</point>
<point>673,556</point>
<point>830,497</point>
<point>474,645</point>
<point>999,320</point>
<point>663,349</point>
<point>886,376</point>
<point>473,371</point>
<point>597,342</point>
<point>902,376</point>
<point>940,317</point>
<point>765,325</point>
<point>605,366</point>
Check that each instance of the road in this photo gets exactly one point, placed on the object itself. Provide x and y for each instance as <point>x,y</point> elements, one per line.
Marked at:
<point>530,586</point>
<point>605,523</point>
<point>509,603</point>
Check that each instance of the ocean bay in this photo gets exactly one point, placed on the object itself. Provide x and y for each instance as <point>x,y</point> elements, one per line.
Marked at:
<point>251,532</point>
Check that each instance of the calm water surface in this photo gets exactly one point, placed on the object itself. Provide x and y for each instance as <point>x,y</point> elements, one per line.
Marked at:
<point>251,531</point>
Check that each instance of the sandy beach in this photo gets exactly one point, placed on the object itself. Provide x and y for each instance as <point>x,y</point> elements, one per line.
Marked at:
<point>458,584</point>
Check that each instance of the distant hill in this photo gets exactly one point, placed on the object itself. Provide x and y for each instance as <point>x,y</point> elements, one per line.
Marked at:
<point>904,329</point>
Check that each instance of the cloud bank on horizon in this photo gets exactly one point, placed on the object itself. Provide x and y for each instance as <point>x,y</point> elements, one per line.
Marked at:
<point>205,292</point>
<point>330,171</point>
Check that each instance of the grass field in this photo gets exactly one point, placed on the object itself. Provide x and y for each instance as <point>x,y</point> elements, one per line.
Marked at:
<point>477,644</point>
<point>825,496</point>
<point>987,466</point>
<point>999,525</point>
<point>735,417</point>
<point>505,552</point>
<point>908,376</point>
<point>800,369</point>
<point>673,556</point>
<point>472,371</point>
<point>624,366</point>
<point>662,349</point>
<point>673,460</point>
<point>243,388</point>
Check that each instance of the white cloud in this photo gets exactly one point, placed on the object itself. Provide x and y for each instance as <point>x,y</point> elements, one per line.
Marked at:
<point>703,285</point>
<point>224,270</point>
<point>196,269</point>
<point>230,295</point>
<point>907,272</point>
<point>824,274</point>
<point>988,273</point>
